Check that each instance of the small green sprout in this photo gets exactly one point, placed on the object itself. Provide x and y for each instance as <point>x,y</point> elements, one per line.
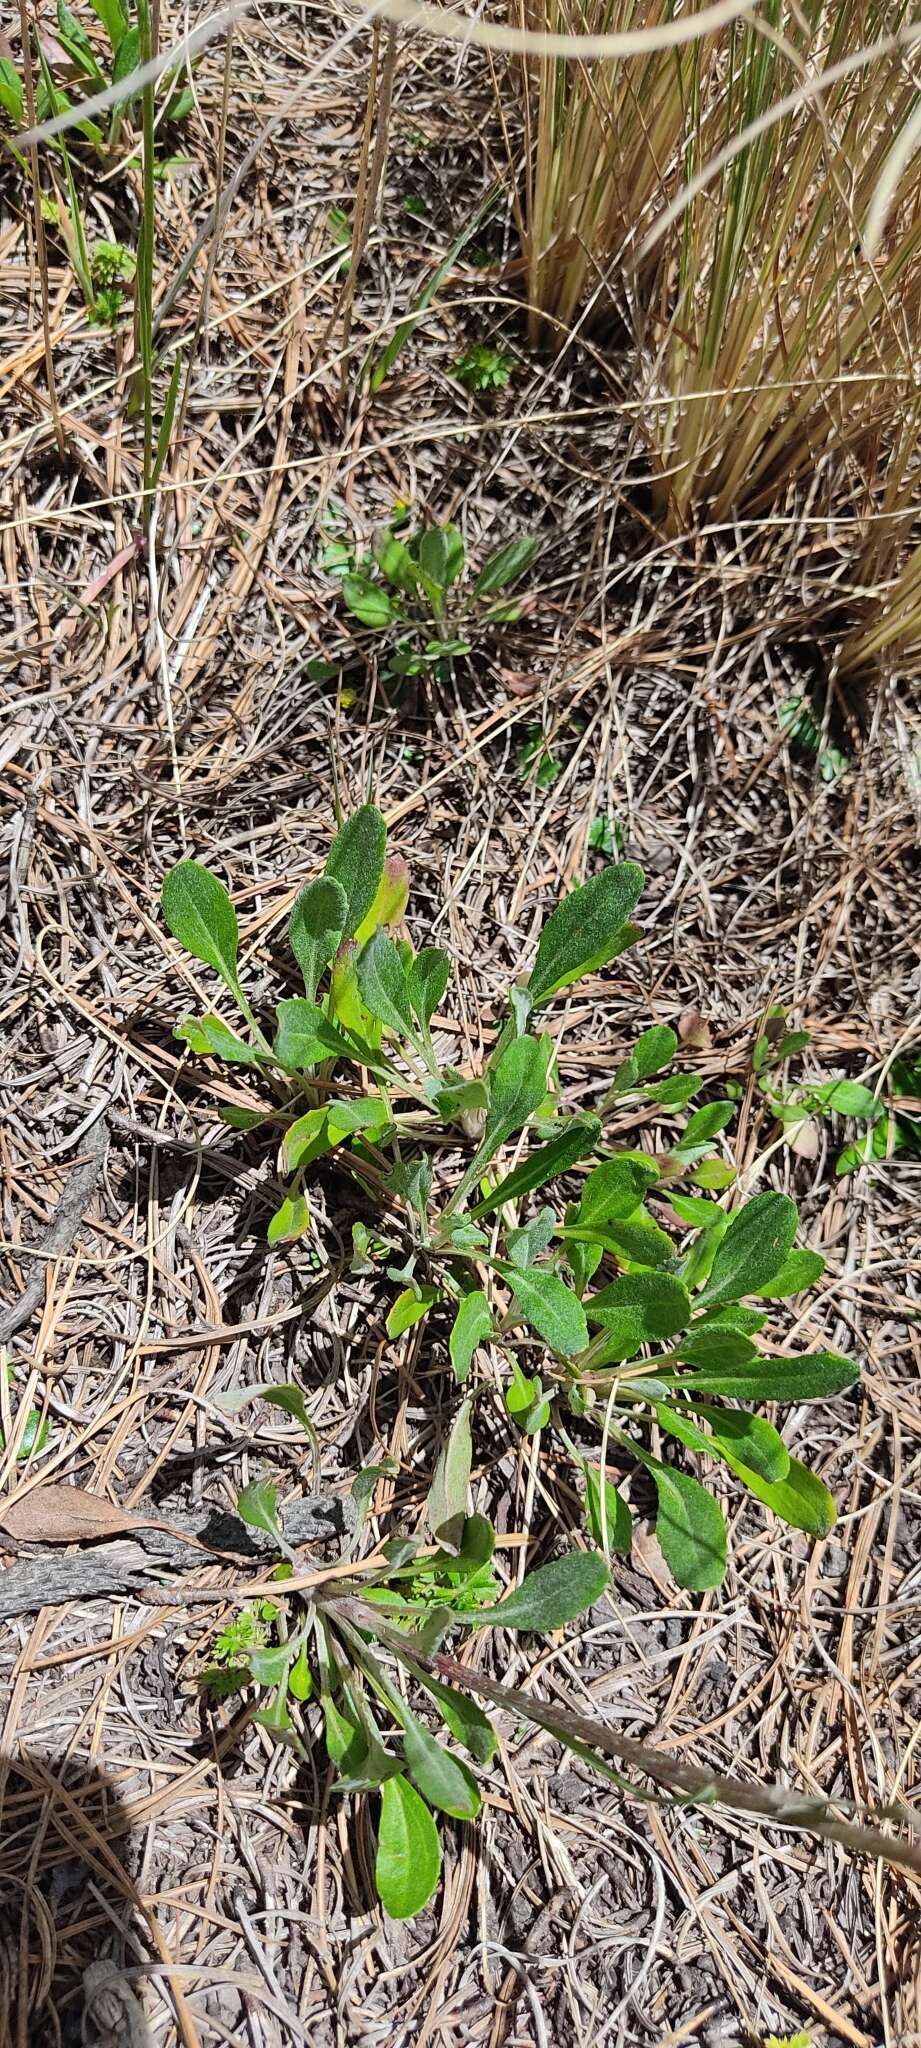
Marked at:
<point>482,367</point>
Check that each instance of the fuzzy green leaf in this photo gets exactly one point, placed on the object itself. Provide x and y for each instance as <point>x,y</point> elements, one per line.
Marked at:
<point>689,1526</point>
<point>127,59</point>
<point>706,1123</point>
<point>637,1309</point>
<point>200,915</point>
<point>383,985</point>
<point>506,565</point>
<point>409,1308</point>
<point>584,930</point>
<point>257,1506</point>
<point>441,556</point>
<point>753,1249</point>
<point>269,1665</point>
<point>736,1435</point>
<point>751,1440</point>
<point>291,1219</point>
<point>367,602</point>
<point>615,1189</point>
<point>356,862</point>
<point>391,899</point>
<point>467,1721</point>
<point>12,93</point>
<point>653,1050</point>
<point>445,1782</point>
<point>613,1531</point>
<point>446,1507</point>
<point>517,1086</point>
<point>815,1376</point>
<point>395,562</point>
<point>639,1239</point>
<point>714,1349</point>
<point>114,19</point>
<point>346,1742</point>
<point>550,1307</point>
<point>849,1098</point>
<point>472,1323</point>
<point>800,1269</point>
<point>408,1863</point>
<point>239,1119</point>
<point>315,928</point>
<point>320,1130</point>
<point>553,1595</point>
<point>560,1152</point>
<point>746,1321</point>
<point>300,1676</point>
<point>800,1499</point>
<point>305,1037</point>
<point>427,980</point>
<point>526,1401</point>
<point>525,1244</point>
<point>211,1036</point>
<point>697,1212</point>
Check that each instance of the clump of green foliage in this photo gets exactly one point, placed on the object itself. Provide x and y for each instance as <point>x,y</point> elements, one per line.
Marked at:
<point>94,67</point>
<point>628,1306</point>
<point>107,270</point>
<point>113,270</point>
<point>355,1070</point>
<point>482,367</point>
<point>802,1104</point>
<point>327,1650</point>
<point>799,721</point>
<point>410,587</point>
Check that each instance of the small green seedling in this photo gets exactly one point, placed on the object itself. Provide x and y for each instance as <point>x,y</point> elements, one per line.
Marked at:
<point>898,1129</point>
<point>536,761</point>
<point>112,271</point>
<point>805,734</point>
<point>412,591</point>
<point>483,367</point>
<point>630,1298</point>
<point>801,1106</point>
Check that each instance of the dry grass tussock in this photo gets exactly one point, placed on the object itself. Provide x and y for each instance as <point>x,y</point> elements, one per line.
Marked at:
<point>712,201</point>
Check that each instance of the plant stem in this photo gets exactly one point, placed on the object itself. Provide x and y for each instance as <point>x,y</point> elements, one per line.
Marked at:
<point>40,244</point>
<point>145,261</point>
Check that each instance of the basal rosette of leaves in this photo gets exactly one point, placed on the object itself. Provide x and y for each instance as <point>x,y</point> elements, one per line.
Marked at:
<point>634,1302</point>
<point>412,590</point>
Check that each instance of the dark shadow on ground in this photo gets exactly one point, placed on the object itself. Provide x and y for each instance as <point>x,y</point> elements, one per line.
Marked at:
<point>74,1935</point>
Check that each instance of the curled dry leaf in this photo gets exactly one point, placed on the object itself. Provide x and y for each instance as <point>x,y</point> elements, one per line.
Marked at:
<point>804,1139</point>
<point>694,1031</point>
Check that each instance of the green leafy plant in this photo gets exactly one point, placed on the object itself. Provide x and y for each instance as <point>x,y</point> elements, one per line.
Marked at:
<point>112,270</point>
<point>798,719</point>
<point>536,761</point>
<point>482,367</point>
<point>105,274</point>
<point>413,591</point>
<point>334,1650</point>
<point>449,1162</point>
<point>800,1105</point>
<point>94,62</point>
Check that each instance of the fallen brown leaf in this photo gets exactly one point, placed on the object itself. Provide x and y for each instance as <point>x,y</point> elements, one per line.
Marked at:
<point>64,1514</point>
<point>60,1513</point>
